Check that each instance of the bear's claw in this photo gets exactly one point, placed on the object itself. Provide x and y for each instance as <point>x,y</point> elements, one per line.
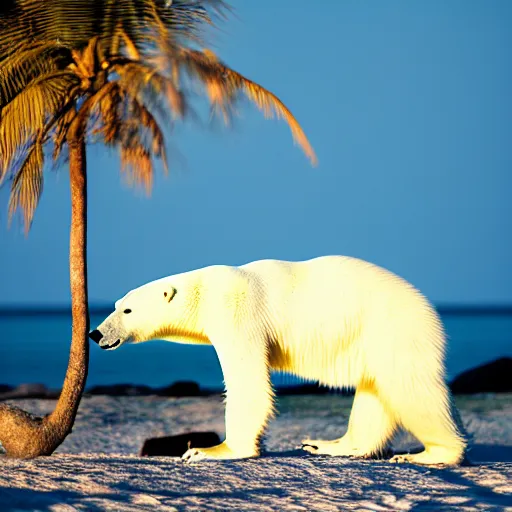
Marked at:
<point>193,455</point>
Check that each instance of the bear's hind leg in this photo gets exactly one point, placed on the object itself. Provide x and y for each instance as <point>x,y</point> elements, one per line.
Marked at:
<point>432,418</point>
<point>370,428</point>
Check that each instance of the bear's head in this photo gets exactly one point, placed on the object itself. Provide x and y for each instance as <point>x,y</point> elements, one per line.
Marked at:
<point>140,315</point>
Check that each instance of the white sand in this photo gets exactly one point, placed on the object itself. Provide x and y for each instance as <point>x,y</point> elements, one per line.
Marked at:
<point>97,468</point>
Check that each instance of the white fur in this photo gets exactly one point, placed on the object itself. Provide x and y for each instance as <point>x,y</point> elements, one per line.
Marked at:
<point>338,320</point>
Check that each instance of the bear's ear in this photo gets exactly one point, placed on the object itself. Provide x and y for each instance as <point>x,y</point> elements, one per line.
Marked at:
<point>170,293</point>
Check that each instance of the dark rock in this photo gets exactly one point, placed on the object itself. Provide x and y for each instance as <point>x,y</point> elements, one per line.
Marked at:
<point>4,388</point>
<point>32,390</point>
<point>121,390</point>
<point>493,377</point>
<point>309,389</point>
<point>177,389</point>
<point>176,446</point>
<point>181,388</point>
<point>28,390</point>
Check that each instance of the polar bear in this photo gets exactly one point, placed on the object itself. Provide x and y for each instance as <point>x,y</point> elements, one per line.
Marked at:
<point>338,320</point>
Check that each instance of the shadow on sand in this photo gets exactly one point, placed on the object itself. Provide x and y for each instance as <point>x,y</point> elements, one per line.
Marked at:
<point>21,500</point>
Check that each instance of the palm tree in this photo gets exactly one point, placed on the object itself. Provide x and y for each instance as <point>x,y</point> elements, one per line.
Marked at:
<point>76,72</point>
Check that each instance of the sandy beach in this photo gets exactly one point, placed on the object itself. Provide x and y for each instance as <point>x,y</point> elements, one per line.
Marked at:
<point>98,467</point>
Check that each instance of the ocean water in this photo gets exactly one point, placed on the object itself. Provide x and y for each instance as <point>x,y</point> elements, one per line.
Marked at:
<point>34,348</point>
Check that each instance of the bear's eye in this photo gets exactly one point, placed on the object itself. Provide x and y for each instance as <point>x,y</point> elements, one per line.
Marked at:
<point>126,311</point>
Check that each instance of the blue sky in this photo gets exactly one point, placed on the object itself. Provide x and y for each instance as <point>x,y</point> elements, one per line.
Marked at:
<point>408,106</point>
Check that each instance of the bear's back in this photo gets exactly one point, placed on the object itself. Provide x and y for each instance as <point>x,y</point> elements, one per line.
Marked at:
<point>329,275</point>
<point>303,295</point>
<point>316,287</point>
<point>330,286</point>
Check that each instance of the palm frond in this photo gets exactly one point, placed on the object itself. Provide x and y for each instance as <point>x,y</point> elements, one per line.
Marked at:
<point>19,69</point>
<point>27,185</point>
<point>146,121</point>
<point>27,113</point>
<point>186,20</point>
<point>75,23</point>
<point>72,23</point>
<point>109,116</point>
<point>122,120</point>
<point>78,125</point>
<point>270,104</point>
<point>136,161</point>
<point>143,80</point>
<point>62,122</point>
<point>222,84</point>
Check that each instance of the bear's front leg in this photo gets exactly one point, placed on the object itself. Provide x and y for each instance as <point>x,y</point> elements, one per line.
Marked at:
<point>249,399</point>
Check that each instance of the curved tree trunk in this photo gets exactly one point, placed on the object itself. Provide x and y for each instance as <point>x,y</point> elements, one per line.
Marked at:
<point>62,418</point>
<point>21,434</point>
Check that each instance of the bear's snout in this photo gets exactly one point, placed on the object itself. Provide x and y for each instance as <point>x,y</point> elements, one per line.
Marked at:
<point>95,335</point>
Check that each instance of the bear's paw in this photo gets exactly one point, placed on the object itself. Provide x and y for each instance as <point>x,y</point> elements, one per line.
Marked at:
<point>220,452</point>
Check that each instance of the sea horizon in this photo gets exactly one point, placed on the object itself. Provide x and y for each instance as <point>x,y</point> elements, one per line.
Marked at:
<point>98,308</point>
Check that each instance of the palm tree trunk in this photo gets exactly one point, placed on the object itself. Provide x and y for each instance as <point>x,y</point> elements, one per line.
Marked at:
<point>21,434</point>
<point>63,417</point>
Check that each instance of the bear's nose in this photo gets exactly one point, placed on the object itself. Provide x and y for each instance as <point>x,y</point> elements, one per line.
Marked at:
<point>95,335</point>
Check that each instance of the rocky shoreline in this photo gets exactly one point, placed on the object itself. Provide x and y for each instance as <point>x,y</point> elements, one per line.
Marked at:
<point>492,377</point>
<point>176,389</point>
